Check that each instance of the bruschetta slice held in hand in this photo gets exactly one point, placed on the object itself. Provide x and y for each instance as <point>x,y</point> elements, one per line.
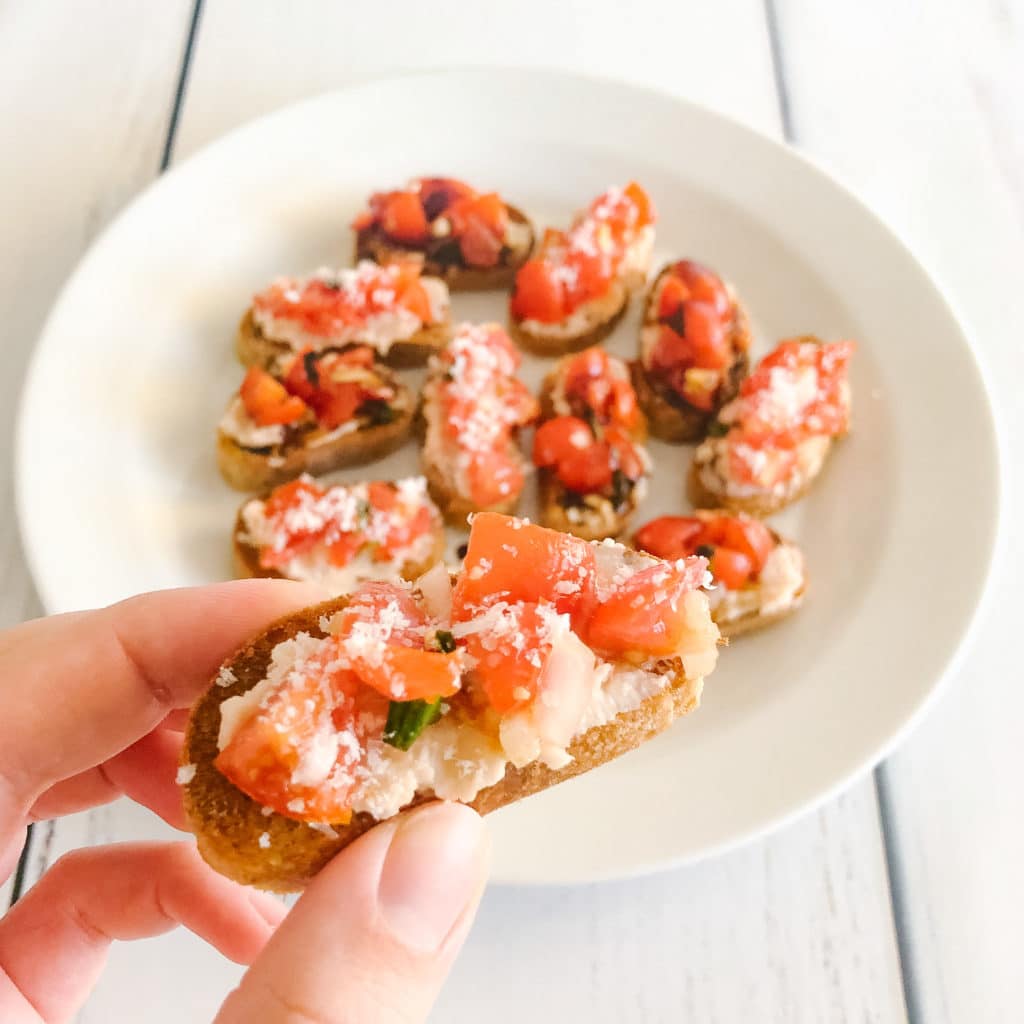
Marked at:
<point>472,240</point>
<point>339,534</point>
<point>693,350</point>
<point>592,466</point>
<point>768,445</point>
<point>328,409</point>
<point>577,287</point>
<point>547,657</point>
<point>395,310</point>
<point>473,408</point>
<point>758,577</point>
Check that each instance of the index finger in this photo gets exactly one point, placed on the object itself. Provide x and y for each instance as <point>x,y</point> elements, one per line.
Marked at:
<point>78,688</point>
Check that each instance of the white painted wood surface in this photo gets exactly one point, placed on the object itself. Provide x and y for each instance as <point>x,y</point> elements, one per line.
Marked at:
<point>920,107</point>
<point>913,106</point>
<point>85,97</point>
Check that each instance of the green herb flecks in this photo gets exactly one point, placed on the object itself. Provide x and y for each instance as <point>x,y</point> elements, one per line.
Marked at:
<point>407,719</point>
<point>378,412</point>
<point>706,550</point>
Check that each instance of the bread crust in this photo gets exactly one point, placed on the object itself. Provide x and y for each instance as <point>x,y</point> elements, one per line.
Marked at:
<point>246,557</point>
<point>550,343</point>
<point>254,348</point>
<point>373,244</point>
<point>228,825</point>
<point>249,470</point>
<point>554,513</point>
<point>676,421</point>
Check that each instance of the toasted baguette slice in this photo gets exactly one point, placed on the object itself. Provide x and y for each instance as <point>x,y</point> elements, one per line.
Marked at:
<point>672,418</point>
<point>705,493</point>
<point>777,592</point>
<point>253,348</point>
<point>589,516</point>
<point>260,469</point>
<point>480,363</point>
<point>445,260</point>
<point>589,325</point>
<point>273,852</point>
<point>429,548</point>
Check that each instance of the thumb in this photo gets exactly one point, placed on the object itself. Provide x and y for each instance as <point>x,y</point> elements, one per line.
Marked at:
<point>375,934</point>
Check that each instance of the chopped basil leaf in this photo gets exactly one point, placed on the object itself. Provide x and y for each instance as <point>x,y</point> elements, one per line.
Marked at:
<point>716,428</point>
<point>377,411</point>
<point>705,549</point>
<point>462,550</point>
<point>622,488</point>
<point>407,719</point>
<point>676,322</point>
<point>309,365</point>
<point>446,640</point>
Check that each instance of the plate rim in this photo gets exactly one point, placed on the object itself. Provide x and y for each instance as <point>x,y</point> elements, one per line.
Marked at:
<point>995,522</point>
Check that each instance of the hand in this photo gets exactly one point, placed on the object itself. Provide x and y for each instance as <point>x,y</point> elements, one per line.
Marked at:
<point>91,707</point>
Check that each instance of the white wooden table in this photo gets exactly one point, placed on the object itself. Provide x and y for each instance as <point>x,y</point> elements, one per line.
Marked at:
<point>902,899</point>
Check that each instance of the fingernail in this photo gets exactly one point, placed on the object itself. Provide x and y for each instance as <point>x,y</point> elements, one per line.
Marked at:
<point>433,870</point>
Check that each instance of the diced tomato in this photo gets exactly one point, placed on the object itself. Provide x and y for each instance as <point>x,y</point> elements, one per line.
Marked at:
<point>559,438</point>
<point>382,495</point>
<point>297,378</point>
<point>279,509</point>
<point>673,294</point>
<point>479,245</point>
<point>402,532</point>
<point>364,220</point>
<point>731,568</point>
<point>706,335</point>
<point>645,208</point>
<point>518,561</point>
<point>404,218</point>
<point>748,536</point>
<point>493,477</point>
<point>291,495</point>
<point>377,599</point>
<point>437,194</point>
<point>645,615</point>
<point>338,404</point>
<point>670,537</point>
<point>344,548</point>
<point>587,470</point>
<point>416,299</point>
<point>508,668</point>
<point>266,749</point>
<point>626,456</point>
<point>267,401</point>
<point>538,293</point>
<point>701,284</point>
<point>404,673</point>
<point>623,407</point>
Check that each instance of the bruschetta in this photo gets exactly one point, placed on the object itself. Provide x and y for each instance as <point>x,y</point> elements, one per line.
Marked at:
<point>471,240</point>
<point>759,578</point>
<point>402,315</point>
<point>768,446</point>
<point>339,535</point>
<point>577,287</point>
<point>328,410</point>
<point>693,350</point>
<point>547,657</point>
<point>592,467</point>
<point>473,407</point>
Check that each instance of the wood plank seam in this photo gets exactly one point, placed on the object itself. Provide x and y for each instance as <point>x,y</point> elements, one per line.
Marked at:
<point>165,160</point>
<point>909,981</point>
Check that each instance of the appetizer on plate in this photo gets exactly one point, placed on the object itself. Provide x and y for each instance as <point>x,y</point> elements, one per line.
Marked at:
<point>759,577</point>
<point>402,315</point>
<point>573,292</point>
<point>339,534</point>
<point>473,407</point>
<point>547,657</point>
<point>769,444</point>
<point>693,350</point>
<point>591,464</point>
<point>329,409</point>
<point>473,240</point>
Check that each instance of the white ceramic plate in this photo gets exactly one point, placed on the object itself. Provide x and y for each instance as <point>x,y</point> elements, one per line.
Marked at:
<point>118,490</point>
